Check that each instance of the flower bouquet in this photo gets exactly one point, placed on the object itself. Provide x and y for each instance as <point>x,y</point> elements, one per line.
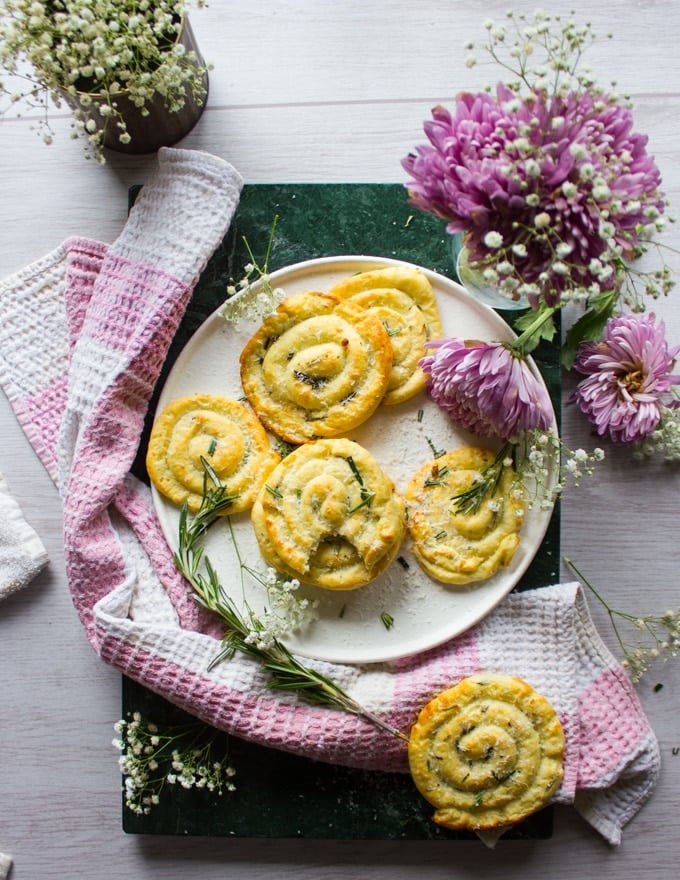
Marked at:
<point>130,72</point>
<point>557,199</point>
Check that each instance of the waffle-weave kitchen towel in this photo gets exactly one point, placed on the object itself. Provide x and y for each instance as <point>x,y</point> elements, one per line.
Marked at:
<point>94,324</point>
<point>22,552</point>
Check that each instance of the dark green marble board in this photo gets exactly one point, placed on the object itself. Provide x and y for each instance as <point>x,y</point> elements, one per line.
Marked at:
<point>280,795</point>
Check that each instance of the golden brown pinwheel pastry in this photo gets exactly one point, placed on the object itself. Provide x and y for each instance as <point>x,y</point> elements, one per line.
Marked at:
<point>317,367</point>
<point>221,430</point>
<point>329,516</point>
<point>403,299</point>
<point>462,548</point>
<point>487,752</point>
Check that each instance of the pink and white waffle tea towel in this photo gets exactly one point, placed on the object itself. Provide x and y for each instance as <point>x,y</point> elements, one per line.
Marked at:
<point>83,335</point>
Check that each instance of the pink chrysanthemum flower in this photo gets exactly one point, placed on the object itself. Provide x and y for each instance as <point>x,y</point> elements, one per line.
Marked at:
<point>549,189</point>
<point>486,387</point>
<point>628,378</point>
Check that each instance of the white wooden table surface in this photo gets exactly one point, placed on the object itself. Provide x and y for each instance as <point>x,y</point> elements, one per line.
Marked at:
<point>323,91</point>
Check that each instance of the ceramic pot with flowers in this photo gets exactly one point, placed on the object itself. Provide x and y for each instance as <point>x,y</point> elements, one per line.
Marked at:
<point>134,78</point>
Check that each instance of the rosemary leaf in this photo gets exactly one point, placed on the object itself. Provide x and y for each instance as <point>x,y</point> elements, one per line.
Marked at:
<point>471,500</point>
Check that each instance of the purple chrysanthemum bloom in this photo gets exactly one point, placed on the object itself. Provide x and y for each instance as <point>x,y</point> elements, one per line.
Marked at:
<point>628,378</point>
<point>486,387</point>
<point>547,185</point>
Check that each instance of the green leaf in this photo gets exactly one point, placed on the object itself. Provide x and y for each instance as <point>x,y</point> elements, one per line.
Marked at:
<point>535,326</point>
<point>588,328</point>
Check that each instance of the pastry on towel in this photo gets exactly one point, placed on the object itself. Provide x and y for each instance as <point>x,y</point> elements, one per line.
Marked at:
<point>222,431</point>
<point>463,548</point>
<point>317,367</point>
<point>403,299</point>
<point>486,753</point>
<point>329,516</point>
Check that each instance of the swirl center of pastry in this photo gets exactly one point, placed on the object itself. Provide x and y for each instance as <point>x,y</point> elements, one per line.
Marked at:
<point>492,751</point>
<point>319,363</point>
<point>209,435</point>
<point>326,497</point>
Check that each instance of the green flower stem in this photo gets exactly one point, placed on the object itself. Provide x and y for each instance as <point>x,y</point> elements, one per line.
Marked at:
<point>639,657</point>
<point>532,334</point>
<point>611,612</point>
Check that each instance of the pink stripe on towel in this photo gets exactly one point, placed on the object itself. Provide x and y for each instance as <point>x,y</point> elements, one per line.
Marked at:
<point>613,725</point>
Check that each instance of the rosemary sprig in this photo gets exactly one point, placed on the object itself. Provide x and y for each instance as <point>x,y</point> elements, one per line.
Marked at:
<point>244,631</point>
<point>437,476</point>
<point>365,493</point>
<point>214,504</point>
<point>471,500</point>
<point>436,453</point>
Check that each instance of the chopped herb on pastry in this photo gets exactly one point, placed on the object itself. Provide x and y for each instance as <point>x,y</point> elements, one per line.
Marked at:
<point>222,431</point>
<point>318,367</point>
<point>329,516</point>
<point>403,299</point>
<point>463,548</point>
<point>486,753</point>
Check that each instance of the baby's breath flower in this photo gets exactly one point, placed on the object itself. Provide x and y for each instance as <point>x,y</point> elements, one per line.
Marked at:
<point>659,632</point>
<point>664,440</point>
<point>257,297</point>
<point>152,757</point>
<point>547,466</point>
<point>90,51</point>
<point>493,240</point>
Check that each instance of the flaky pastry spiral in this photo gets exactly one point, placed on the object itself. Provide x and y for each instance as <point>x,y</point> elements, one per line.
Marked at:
<point>317,367</point>
<point>222,431</point>
<point>403,299</point>
<point>329,516</point>
<point>487,752</point>
<point>463,548</point>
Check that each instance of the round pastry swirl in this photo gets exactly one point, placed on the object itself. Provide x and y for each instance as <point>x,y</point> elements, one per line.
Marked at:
<point>463,548</point>
<point>222,431</point>
<point>329,516</point>
<point>487,752</point>
<point>317,367</point>
<point>403,299</point>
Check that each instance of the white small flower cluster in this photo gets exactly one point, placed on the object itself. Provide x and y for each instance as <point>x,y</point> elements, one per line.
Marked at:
<point>152,758</point>
<point>251,299</point>
<point>664,440</point>
<point>92,53</point>
<point>547,466</point>
<point>662,640</point>
<point>578,463</point>
<point>287,612</point>
<point>539,53</point>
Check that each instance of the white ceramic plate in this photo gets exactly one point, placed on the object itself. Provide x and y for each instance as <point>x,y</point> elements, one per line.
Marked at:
<point>349,627</point>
